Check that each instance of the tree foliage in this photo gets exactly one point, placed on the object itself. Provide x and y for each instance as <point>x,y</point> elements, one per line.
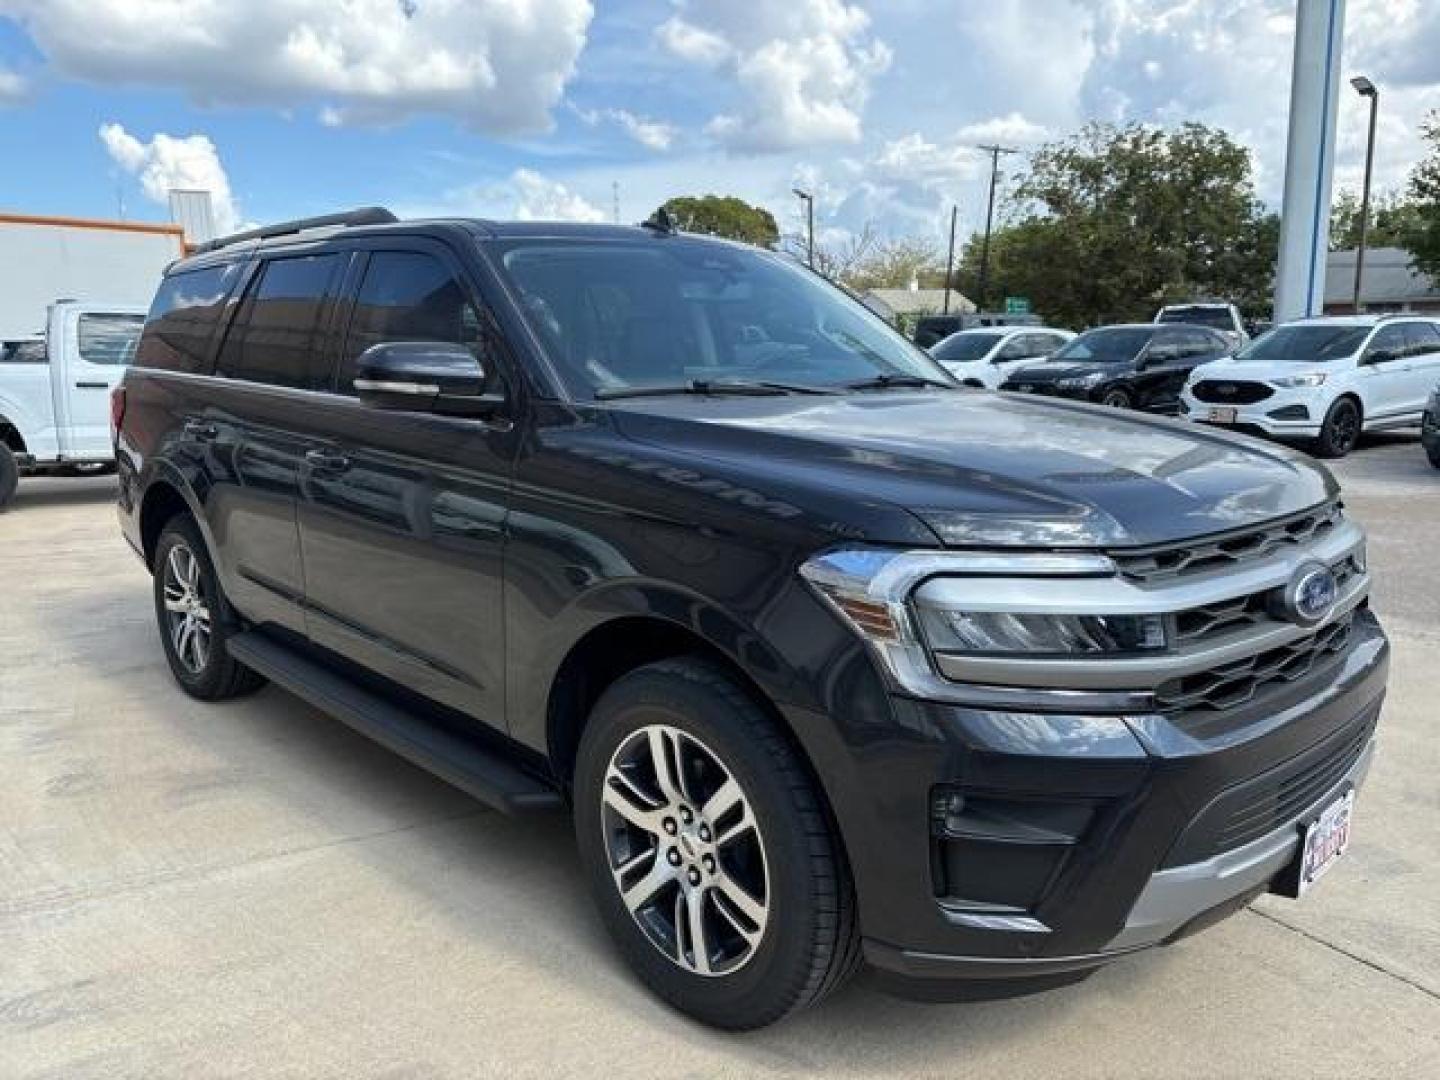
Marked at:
<point>1393,216</point>
<point>724,215</point>
<point>1116,221</point>
<point>1421,233</point>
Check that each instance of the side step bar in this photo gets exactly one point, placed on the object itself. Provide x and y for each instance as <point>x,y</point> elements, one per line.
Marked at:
<point>466,763</point>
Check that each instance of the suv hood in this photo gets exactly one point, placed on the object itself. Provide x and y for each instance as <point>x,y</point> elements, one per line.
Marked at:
<point>1259,370</point>
<point>1050,371</point>
<point>993,470</point>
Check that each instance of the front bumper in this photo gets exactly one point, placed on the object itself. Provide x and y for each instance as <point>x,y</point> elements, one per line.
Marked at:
<point>1295,413</point>
<point>1152,852</point>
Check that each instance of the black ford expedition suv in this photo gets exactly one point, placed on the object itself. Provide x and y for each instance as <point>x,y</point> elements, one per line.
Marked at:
<point>832,660</point>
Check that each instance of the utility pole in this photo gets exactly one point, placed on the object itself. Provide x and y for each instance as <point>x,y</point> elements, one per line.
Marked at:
<point>809,200</point>
<point>994,152</point>
<point>615,192</point>
<point>950,260</point>
<point>1365,88</point>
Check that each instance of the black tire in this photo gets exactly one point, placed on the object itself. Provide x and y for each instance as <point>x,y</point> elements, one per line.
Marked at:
<point>1340,431</point>
<point>219,676</point>
<point>809,943</point>
<point>9,476</point>
<point>1117,399</point>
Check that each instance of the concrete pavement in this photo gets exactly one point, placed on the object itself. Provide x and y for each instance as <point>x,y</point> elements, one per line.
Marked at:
<point>253,890</point>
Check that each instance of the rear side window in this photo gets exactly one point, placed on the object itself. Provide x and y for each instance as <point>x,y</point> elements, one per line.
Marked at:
<point>408,296</point>
<point>183,318</point>
<point>1422,337</point>
<point>275,337</point>
<point>108,339</point>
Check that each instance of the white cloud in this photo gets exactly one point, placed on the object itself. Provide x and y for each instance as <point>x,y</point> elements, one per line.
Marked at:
<point>802,70</point>
<point>167,162</point>
<point>525,195</point>
<point>496,65</point>
<point>1012,129</point>
<point>651,134</point>
<point>14,87</point>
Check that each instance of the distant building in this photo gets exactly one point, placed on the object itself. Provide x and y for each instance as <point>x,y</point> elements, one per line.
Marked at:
<point>1389,283</point>
<point>902,307</point>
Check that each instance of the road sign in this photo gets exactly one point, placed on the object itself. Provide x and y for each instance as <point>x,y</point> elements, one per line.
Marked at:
<point>1017,305</point>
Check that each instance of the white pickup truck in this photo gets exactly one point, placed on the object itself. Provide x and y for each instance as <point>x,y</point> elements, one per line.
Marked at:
<point>55,391</point>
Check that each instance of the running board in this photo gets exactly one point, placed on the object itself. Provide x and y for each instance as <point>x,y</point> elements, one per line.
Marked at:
<point>472,767</point>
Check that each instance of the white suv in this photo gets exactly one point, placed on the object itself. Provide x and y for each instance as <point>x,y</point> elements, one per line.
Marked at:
<point>1325,380</point>
<point>985,355</point>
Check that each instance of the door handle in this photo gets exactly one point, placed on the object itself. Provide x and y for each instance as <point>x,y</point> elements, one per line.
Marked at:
<point>203,432</point>
<point>93,385</point>
<point>326,461</point>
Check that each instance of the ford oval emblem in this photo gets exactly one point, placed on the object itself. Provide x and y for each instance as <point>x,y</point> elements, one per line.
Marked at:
<point>1311,594</point>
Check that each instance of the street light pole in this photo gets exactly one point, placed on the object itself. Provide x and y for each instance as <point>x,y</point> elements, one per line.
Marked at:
<point>1368,89</point>
<point>809,200</point>
<point>950,260</point>
<point>994,152</point>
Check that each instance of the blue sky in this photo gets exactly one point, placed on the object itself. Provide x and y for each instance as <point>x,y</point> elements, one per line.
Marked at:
<point>538,107</point>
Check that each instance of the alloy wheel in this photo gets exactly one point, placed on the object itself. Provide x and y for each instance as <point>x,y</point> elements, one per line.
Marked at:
<point>187,615</point>
<point>685,850</point>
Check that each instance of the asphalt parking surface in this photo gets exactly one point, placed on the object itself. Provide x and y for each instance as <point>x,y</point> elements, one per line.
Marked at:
<point>251,889</point>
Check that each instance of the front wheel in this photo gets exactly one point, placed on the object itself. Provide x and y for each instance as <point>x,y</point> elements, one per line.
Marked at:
<point>1340,431</point>
<point>709,853</point>
<point>195,618</point>
<point>9,476</point>
<point>1117,399</point>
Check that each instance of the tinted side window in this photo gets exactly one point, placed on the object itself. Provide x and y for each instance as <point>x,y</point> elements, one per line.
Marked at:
<point>408,296</point>
<point>275,336</point>
<point>108,339</point>
<point>1389,339</point>
<point>183,317</point>
<point>23,352</point>
<point>1422,338</point>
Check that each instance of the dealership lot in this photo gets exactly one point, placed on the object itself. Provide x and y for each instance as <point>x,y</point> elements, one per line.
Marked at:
<point>252,889</point>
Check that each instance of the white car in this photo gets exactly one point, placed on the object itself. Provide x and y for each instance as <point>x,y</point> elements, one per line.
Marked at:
<point>985,355</point>
<point>1217,316</point>
<point>1325,380</point>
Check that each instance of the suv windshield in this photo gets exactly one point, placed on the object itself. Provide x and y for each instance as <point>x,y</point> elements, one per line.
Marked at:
<point>1111,346</point>
<point>1305,344</point>
<point>964,348</point>
<point>671,311</point>
<point>1217,318</point>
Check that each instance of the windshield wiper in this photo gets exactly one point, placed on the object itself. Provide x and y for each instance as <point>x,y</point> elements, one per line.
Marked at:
<point>887,381</point>
<point>709,387</point>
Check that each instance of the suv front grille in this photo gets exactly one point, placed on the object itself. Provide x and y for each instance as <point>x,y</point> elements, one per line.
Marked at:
<point>1228,549</point>
<point>1233,684</point>
<point>1228,392</point>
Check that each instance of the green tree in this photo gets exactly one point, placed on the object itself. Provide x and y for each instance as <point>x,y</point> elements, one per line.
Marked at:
<point>1420,234</point>
<point>1115,221</point>
<point>1392,217</point>
<point>724,215</point>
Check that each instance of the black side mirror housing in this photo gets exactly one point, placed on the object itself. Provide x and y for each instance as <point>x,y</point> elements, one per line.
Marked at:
<point>424,376</point>
<point>1379,356</point>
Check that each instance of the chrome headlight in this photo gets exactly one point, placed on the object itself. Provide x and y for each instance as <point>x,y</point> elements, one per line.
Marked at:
<point>953,629</point>
<point>1300,382</point>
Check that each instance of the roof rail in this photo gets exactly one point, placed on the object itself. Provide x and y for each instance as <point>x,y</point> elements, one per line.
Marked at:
<point>365,215</point>
<point>1381,316</point>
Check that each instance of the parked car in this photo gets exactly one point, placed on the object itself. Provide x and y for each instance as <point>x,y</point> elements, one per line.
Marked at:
<point>1430,427</point>
<point>1225,318</point>
<point>984,357</point>
<point>1323,380</point>
<point>55,392</point>
<point>934,328</point>
<point>832,661</point>
<point>1137,366</point>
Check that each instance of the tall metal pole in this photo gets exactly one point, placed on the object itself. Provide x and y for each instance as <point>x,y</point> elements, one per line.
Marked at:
<point>809,200</point>
<point>950,260</point>
<point>994,152</point>
<point>1309,159</point>
<point>1366,89</point>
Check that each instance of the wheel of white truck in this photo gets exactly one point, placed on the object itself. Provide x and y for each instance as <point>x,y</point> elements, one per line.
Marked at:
<point>714,864</point>
<point>9,476</point>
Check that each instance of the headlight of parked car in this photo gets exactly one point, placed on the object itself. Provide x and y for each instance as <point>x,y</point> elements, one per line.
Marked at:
<point>1298,382</point>
<point>1081,382</point>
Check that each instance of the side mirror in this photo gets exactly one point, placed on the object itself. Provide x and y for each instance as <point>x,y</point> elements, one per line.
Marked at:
<point>424,376</point>
<point>1379,356</point>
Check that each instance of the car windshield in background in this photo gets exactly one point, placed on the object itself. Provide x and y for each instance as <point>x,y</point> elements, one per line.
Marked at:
<point>1105,346</point>
<point>109,338</point>
<point>964,348</point>
<point>676,312</point>
<point>23,352</point>
<point>1215,318</point>
<point>1305,344</point>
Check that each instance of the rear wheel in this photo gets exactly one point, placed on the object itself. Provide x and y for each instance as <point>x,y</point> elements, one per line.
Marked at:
<point>194,617</point>
<point>1340,431</point>
<point>1117,399</point>
<point>9,476</point>
<point>713,862</point>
